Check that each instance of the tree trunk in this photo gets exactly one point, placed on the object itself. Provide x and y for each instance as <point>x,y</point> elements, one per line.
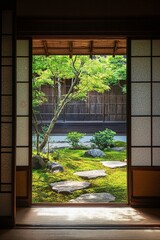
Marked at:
<point>61,106</point>
<point>35,125</point>
<point>51,126</point>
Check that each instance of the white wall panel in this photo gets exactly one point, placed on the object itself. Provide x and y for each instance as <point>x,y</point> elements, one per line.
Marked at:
<point>156,156</point>
<point>140,48</point>
<point>22,48</point>
<point>156,69</point>
<point>156,98</point>
<point>156,131</point>
<point>141,156</point>
<point>22,98</point>
<point>22,69</point>
<point>140,69</point>
<point>140,98</point>
<point>22,131</point>
<point>141,131</point>
<point>22,156</point>
<point>156,47</point>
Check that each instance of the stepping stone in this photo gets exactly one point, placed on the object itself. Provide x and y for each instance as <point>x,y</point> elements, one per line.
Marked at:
<point>91,174</point>
<point>68,186</point>
<point>114,164</point>
<point>94,197</point>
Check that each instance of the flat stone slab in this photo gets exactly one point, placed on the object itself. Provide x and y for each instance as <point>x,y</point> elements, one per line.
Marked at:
<point>114,164</point>
<point>91,174</point>
<point>68,186</point>
<point>94,197</point>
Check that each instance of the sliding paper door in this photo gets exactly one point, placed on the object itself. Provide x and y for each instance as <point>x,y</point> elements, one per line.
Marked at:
<point>144,120</point>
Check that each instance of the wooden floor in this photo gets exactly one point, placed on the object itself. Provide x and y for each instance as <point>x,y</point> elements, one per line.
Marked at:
<point>89,223</point>
<point>62,234</point>
<point>88,216</point>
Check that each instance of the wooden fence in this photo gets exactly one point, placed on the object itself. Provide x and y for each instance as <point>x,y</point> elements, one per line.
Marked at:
<point>110,106</point>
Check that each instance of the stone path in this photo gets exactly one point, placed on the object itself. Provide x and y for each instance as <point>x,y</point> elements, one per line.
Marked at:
<point>68,186</point>
<point>91,174</point>
<point>94,197</point>
<point>114,164</point>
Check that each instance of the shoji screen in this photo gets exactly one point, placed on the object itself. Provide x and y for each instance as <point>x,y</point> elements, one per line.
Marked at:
<point>22,120</point>
<point>145,117</point>
<point>7,120</point>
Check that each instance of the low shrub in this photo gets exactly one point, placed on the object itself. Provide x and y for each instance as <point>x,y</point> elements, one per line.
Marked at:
<point>103,139</point>
<point>74,137</point>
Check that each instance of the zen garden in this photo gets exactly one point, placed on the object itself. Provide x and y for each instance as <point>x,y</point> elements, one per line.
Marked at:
<point>78,167</point>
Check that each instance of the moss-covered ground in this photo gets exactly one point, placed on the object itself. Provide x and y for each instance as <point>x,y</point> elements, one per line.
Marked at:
<point>73,160</point>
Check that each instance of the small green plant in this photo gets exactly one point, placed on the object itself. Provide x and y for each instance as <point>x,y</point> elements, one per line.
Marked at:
<point>74,137</point>
<point>103,139</point>
<point>44,128</point>
<point>56,155</point>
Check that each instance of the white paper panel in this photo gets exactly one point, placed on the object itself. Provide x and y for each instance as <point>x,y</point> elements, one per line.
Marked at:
<point>6,134</point>
<point>156,156</point>
<point>22,98</point>
<point>140,99</point>
<point>156,47</point>
<point>156,69</point>
<point>141,156</point>
<point>7,22</point>
<point>140,131</point>
<point>140,69</point>
<point>6,80</point>
<point>156,131</point>
<point>6,105</point>
<point>140,48</point>
<point>22,69</point>
<point>6,168</point>
<point>22,48</point>
<point>156,98</point>
<point>6,46</point>
<point>22,156</point>
<point>5,204</point>
<point>22,131</point>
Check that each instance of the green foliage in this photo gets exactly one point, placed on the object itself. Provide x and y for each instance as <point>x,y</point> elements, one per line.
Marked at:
<point>56,155</point>
<point>103,139</point>
<point>120,144</point>
<point>85,74</point>
<point>96,74</point>
<point>74,137</point>
<point>44,128</point>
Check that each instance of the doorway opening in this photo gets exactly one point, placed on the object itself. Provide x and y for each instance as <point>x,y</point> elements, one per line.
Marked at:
<point>79,121</point>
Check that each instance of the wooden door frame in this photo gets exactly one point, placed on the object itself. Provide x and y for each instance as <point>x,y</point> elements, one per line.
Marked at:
<point>30,166</point>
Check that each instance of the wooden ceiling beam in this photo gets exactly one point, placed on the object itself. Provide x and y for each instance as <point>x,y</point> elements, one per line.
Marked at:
<point>73,47</point>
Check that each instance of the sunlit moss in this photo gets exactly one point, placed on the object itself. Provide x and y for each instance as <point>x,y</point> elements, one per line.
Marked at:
<point>115,182</point>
